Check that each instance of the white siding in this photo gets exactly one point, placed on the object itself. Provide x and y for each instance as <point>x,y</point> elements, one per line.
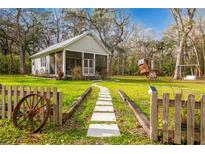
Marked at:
<point>87,44</point>
<point>37,68</point>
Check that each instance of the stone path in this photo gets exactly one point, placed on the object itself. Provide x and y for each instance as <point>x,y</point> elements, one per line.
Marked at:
<point>103,120</point>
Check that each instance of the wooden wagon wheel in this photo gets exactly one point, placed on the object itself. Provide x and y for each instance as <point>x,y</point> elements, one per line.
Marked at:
<point>31,112</point>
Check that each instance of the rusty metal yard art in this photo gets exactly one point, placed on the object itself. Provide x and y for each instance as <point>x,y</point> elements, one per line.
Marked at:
<point>144,69</point>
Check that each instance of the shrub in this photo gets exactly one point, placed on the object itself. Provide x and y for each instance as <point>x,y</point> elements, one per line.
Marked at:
<point>77,73</point>
<point>104,74</point>
<point>60,75</point>
<point>9,64</point>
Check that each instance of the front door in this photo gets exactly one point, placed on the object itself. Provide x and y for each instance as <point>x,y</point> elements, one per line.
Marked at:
<point>89,67</point>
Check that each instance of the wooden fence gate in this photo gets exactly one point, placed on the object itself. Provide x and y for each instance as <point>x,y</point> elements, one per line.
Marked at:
<point>10,95</point>
<point>183,131</point>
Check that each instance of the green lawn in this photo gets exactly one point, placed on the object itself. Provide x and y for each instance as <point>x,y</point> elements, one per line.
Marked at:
<point>74,131</point>
<point>137,88</point>
<point>70,89</point>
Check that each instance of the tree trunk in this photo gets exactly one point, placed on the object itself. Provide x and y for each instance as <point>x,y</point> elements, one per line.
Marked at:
<point>203,53</point>
<point>22,61</point>
<point>10,63</point>
<point>20,44</point>
<point>177,73</point>
<point>123,65</point>
<point>118,69</point>
<point>110,66</point>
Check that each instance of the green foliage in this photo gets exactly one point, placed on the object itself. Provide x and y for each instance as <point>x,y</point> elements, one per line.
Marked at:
<point>168,69</point>
<point>9,64</point>
<point>9,134</point>
<point>103,73</point>
<point>132,70</point>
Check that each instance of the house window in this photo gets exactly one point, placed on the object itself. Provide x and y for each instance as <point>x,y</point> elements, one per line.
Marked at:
<point>43,61</point>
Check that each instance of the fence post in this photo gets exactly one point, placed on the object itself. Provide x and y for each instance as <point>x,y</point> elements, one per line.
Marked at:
<point>15,96</point>
<point>55,100</point>
<point>21,92</point>
<point>35,91</point>
<point>202,131</point>
<point>28,93</point>
<point>177,119</point>
<point>165,117</point>
<point>3,89</point>
<point>42,104</point>
<point>60,109</point>
<point>153,116</point>
<point>9,112</point>
<point>190,119</point>
<point>48,95</point>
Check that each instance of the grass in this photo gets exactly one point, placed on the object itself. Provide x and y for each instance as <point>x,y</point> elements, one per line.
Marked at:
<point>75,130</point>
<point>70,89</point>
<point>137,88</point>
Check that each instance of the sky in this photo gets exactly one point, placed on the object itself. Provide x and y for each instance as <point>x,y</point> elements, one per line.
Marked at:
<point>157,19</point>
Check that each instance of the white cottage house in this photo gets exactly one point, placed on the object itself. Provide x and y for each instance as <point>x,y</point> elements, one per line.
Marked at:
<point>85,50</point>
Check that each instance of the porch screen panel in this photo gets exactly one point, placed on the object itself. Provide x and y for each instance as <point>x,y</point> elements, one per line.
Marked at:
<point>52,64</point>
<point>88,56</point>
<point>73,59</point>
<point>73,55</point>
<point>59,62</point>
<point>100,63</point>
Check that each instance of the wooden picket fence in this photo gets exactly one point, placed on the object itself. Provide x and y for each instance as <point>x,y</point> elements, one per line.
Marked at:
<point>192,135</point>
<point>10,95</point>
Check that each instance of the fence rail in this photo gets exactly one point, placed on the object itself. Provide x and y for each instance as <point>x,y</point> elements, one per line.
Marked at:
<point>189,106</point>
<point>10,95</point>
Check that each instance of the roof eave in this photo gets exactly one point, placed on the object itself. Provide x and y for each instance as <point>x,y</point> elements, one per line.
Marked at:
<point>37,55</point>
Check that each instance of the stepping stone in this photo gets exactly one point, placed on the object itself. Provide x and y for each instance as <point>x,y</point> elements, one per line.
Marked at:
<point>103,130</point>
<point>103,117</point>
<point>104,92</point>
<point>105,96</point>
<point>104,108</point>
<point>104,99</point>
<point>104,103</point>
<point>103,88</point>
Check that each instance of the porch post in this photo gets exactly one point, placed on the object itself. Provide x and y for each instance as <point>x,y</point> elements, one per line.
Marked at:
<point>108,64</point>
<point>64,63</point>
<point>83,63</point>
<point>49,64</point>
<point>94,64</point>
<point>55,55</point>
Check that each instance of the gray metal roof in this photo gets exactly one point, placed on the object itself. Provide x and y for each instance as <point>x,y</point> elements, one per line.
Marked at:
<point>63,44</point>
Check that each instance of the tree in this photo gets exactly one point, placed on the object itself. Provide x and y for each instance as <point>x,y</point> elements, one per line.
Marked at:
<point>109,24</point>
<point>184,22</point>
<point>21,31</point>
